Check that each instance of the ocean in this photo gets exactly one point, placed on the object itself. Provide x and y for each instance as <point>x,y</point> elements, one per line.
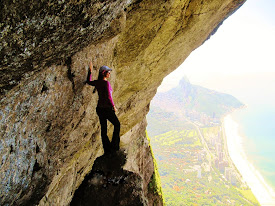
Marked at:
<point>257,127</point>
<point>251,131</point>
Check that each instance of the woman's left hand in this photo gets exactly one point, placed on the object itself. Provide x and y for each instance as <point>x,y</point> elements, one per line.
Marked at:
<point>91,66</point>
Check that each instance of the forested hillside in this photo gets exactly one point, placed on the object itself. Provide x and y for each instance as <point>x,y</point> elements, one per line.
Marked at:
<point>196,103</point>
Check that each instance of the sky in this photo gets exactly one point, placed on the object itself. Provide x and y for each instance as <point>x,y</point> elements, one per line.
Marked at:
<point>239,59</point>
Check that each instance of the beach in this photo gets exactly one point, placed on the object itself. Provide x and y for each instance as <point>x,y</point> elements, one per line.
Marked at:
<point>262,191</point>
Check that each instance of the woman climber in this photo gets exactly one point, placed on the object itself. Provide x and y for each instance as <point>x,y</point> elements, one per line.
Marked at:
<point>105,107</point>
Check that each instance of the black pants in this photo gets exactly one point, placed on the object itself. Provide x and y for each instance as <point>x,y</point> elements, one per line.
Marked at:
<point>105,114</point>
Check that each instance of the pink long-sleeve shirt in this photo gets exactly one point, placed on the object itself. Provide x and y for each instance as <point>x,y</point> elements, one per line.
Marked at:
<point>104,90</point>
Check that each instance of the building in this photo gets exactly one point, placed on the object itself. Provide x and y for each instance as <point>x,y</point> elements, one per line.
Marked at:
<point>230,175</point>
<point>223,165</point>
<point>199,172</point>
<point>227,173</point>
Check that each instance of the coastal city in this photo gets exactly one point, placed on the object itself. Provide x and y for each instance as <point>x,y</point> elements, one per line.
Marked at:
<point>194,163</point>
<point>191,151</point>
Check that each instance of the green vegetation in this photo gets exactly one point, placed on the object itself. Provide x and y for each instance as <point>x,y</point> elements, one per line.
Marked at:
<point>155,182</point>
<point>169,119</point>
<point>181,158</point>
<point>247,193</point>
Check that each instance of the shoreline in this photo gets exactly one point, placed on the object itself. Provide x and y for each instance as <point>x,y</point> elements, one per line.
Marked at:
<point>262,191</point>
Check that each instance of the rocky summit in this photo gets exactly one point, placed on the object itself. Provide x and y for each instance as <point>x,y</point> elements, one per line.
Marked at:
<point>50,133</point>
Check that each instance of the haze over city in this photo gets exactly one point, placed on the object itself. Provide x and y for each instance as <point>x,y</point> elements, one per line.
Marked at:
<point>238,59</point>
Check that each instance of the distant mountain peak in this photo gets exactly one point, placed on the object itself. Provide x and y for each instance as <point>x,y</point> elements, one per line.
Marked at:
<point>195,102</point>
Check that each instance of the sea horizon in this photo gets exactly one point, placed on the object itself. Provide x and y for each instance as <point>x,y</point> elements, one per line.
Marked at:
<point>244,150</point>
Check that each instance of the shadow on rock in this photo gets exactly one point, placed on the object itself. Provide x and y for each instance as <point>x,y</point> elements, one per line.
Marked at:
<point>109,185</point>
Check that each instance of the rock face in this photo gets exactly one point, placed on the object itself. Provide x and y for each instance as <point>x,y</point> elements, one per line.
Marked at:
<point>50,133</point>
<point>108,184</point>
